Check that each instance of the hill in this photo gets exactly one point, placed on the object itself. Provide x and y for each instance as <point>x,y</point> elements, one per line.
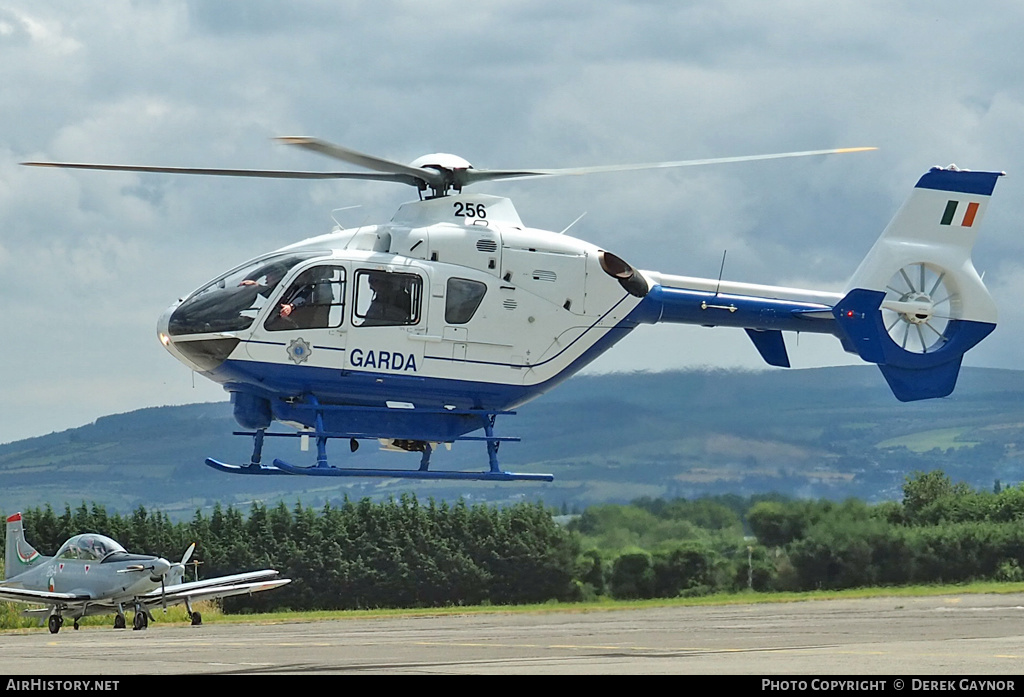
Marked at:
<point>830,432</point>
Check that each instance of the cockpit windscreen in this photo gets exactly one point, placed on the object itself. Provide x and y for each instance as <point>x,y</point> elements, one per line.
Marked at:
<point>233,301</point>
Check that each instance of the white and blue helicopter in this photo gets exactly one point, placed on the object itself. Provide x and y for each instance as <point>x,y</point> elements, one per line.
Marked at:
<point>421,331</point>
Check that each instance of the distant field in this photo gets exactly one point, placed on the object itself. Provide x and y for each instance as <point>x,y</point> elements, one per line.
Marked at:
<point>923,441</point>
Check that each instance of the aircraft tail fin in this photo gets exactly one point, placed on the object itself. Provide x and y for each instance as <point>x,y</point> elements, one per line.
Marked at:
<point>916,304</point>
<point>20,555</point>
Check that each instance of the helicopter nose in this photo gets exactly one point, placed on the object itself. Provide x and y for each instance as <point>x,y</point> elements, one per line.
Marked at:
<point>163,326</point>
<point>163,333</point>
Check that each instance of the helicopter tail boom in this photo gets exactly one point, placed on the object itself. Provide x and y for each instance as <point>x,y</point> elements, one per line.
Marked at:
<point>914,306</point>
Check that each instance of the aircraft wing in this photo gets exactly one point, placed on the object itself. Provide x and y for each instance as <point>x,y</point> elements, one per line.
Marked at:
<point>219,587</point>
<point>25,595</point>
<point>220,581</point>
<point>175,594</point>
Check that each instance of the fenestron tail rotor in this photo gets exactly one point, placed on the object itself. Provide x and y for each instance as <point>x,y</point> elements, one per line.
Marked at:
<point>441,173</point>
<point>920,300</point>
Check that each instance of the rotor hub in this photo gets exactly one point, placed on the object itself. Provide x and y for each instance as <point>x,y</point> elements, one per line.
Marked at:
<point>923,311</point>
<point>921,300</point>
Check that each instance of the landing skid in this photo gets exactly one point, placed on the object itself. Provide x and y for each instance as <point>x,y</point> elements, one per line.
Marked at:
<point>329,471</point>
<point>243,469</point>
<point>281,467</point>
<point>323,469</point>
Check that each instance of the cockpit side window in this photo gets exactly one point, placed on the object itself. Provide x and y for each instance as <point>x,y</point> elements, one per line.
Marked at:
<point>314,300</point>
<point>233,301</point>
<point>386,299</point>
<point>462,299</point>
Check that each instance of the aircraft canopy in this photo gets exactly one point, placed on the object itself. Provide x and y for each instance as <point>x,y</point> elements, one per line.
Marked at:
<point>89,547</point>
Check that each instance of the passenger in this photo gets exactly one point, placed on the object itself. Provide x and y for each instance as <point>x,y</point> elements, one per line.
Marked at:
<point>391,303</point>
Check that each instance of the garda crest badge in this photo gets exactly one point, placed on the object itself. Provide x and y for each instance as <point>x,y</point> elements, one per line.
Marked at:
<point>299,351</point>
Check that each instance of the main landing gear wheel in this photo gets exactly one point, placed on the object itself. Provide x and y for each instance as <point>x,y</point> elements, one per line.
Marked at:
<point>140,621</point>
<point>119,622</point>
<point>920,300</point>
<point>197,619</point>
<point>55,623</point>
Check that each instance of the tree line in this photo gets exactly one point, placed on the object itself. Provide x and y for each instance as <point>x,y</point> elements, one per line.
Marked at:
<point>940,532</point>
<point>406,554</point>
<point>357,555</point>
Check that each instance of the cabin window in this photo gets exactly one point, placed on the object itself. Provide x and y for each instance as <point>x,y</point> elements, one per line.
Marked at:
<point>386,299</point>
<point>463,298</point>
<point>314,300</point>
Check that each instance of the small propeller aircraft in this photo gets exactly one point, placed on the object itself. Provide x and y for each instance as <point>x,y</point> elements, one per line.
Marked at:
<point>94,575</point>
<point>422,330</point>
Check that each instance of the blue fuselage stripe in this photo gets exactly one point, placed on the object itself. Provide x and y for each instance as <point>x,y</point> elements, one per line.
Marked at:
<point>271,380</point>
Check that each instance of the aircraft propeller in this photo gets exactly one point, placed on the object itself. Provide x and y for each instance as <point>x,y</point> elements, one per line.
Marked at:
<point>177,570</point>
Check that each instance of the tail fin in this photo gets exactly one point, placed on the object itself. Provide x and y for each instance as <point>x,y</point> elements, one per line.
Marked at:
<point>20,555</point>
<point>916,304</point>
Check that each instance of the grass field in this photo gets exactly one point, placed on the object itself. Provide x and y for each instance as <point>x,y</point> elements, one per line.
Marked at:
<point>923,441</point>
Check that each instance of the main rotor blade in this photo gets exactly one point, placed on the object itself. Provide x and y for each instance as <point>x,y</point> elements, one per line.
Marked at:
<point>353,157</point>
<point>476,175</point>
<point>268,173</point>
<point>439,181</point>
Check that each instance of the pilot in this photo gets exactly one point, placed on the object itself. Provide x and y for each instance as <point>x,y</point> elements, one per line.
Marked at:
<point>98,549</point>
<point>299,306</point>
<point>301,292</point>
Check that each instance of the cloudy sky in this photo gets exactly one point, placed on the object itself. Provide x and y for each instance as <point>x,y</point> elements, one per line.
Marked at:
<point>89,260</point>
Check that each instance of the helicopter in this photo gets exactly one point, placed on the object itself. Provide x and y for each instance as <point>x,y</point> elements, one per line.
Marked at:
<point>419,332</point>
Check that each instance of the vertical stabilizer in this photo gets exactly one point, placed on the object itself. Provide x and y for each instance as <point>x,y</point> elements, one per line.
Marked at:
<point>916,304</point>
<point>20,555</point>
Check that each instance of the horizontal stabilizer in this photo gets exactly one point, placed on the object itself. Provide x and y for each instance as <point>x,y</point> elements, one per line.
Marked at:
<point>771,346</point>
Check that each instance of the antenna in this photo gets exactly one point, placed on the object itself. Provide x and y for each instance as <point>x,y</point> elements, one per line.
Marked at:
<point>721,270</point>
<point>337,210</point>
